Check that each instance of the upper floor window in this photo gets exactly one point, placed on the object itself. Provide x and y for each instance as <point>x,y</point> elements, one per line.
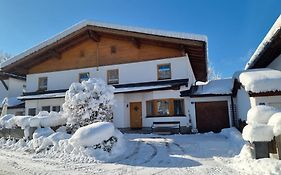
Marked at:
<point>42,83</point>
<point>113,76</point>
<point>84,76</point>
<point>164,71</point>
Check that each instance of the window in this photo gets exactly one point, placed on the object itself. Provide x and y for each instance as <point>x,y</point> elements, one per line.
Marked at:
<point>113,76</point>
<point>56,108</point>
<point>164,71</point>
<point>179,107</point>
<point>149,108</point>
<point>165,108</point>
<point>42,83</point>
<point>32,111</point>
<point>84,76</point>
<point>46,108</point>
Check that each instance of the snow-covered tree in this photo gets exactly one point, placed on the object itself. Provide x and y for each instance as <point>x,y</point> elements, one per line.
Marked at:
<point>212,74</point>
<point>88,102</point>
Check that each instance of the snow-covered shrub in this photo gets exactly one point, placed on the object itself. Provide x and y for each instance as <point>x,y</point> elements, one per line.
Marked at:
<point>275,122</point>
<point>260,114</point>
<point>4,120</point>
<point>46,119</point>
<point>258,133</point>
<point>88,102</point>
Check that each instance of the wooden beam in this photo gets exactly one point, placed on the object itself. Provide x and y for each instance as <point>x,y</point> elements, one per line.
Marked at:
<point>94,35</point>
<point>136,42</point>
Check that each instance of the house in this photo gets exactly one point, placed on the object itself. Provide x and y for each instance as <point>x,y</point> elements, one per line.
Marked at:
<point>210,105</point>
<point>260,82</point>
<point>11,87</point>
<point>148,69</point>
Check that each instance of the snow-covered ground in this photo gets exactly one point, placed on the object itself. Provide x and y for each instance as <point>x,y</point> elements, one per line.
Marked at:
<point>149,154</point>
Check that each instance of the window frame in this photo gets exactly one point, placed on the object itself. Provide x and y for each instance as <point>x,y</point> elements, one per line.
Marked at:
<point>41,88</point>
<point>79,76</point>
<point>158,71</point>
<point>108,76</point>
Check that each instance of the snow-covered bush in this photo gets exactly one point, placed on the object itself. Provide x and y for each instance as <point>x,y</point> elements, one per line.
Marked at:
<point>46,119</point>
<point>275,122</point>
<point>257,133</point>
<point>88,102</point>
<point>260,114</point>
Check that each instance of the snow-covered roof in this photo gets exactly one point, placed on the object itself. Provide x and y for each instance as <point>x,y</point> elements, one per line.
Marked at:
<point>85,23</point>
<point>116,90</point>
<point>260,80</point>
<point>13,101</point>
<point>213,87</point>
<point>267,39</point>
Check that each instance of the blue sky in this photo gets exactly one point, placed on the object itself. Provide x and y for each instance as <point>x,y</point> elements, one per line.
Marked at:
<point>234,27</point>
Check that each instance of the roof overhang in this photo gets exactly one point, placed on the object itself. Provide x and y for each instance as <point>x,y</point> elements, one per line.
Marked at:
<point>193,45</point>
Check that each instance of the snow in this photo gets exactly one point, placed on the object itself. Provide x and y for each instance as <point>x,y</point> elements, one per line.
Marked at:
<point>83,24</point>
<point>221,86</point>
<point>42,132</point>
<point>258,133</point>
<point>267,39</point>
<point>46,119</point>
<point>93,134</point>
<point>275,122</point>
<point>260,80</point>
<point>260,114</point>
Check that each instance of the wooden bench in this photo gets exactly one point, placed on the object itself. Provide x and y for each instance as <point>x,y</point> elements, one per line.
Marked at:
<point>166,127</point>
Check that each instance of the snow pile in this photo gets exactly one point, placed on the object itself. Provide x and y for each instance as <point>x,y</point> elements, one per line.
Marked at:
<point>275,122</point>
<point>43,119</point>
<point>260,114</point>
<point>46,119</point>
<point>234,137</point>
<point>221,86</point>
<point>260,80</point>
<point>88,102</point>
<point>264,122</point>
<point>258,133</point>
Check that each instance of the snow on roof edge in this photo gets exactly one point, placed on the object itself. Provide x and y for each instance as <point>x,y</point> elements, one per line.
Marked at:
<point>267,39</point>
<point>84,23</point>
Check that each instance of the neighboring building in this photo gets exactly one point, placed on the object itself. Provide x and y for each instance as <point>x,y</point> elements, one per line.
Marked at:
<point>11,86</point>
<point>147,67</point>
<point>260,83</point>
<point>210,105</point>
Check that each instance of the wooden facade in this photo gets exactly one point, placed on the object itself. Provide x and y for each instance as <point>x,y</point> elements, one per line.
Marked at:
<point>93,54</point>
<point>93,46</point>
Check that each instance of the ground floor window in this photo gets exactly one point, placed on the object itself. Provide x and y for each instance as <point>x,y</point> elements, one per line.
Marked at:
<point>165,107</point>
<point>32,111</point>
<point>56,108</point>
<point>46,108</point>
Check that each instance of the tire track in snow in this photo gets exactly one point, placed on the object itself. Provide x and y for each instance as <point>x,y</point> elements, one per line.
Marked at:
<point>154,153</point>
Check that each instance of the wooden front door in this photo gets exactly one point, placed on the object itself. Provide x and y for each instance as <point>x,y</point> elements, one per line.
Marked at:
<point>135,115</point>
<point>212,116</point>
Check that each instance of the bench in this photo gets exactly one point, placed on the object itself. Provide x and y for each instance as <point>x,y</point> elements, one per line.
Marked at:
<point>166,127</point>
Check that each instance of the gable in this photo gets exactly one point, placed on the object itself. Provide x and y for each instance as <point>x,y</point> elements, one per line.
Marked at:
<point>77,48</point>
<point>107,51</point>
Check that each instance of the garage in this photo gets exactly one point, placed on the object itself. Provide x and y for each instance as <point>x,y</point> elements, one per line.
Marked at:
<point>211,116</point>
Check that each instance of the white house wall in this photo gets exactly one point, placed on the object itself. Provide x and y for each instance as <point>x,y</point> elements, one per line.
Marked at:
<point>128,73</point>
<point>42,102</point>
<point>15,87</point>
<point>191,107</point>
<point>276,64</point>
<point>243,104</point>
<point>274,101</point>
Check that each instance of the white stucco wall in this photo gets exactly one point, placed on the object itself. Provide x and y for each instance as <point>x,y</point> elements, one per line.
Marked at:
<point>191,107</point>
<point>128,73</point>
<point>243,104</point>
<point>276,64</point>
<point>268,100</point>
<point>43,102</point>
